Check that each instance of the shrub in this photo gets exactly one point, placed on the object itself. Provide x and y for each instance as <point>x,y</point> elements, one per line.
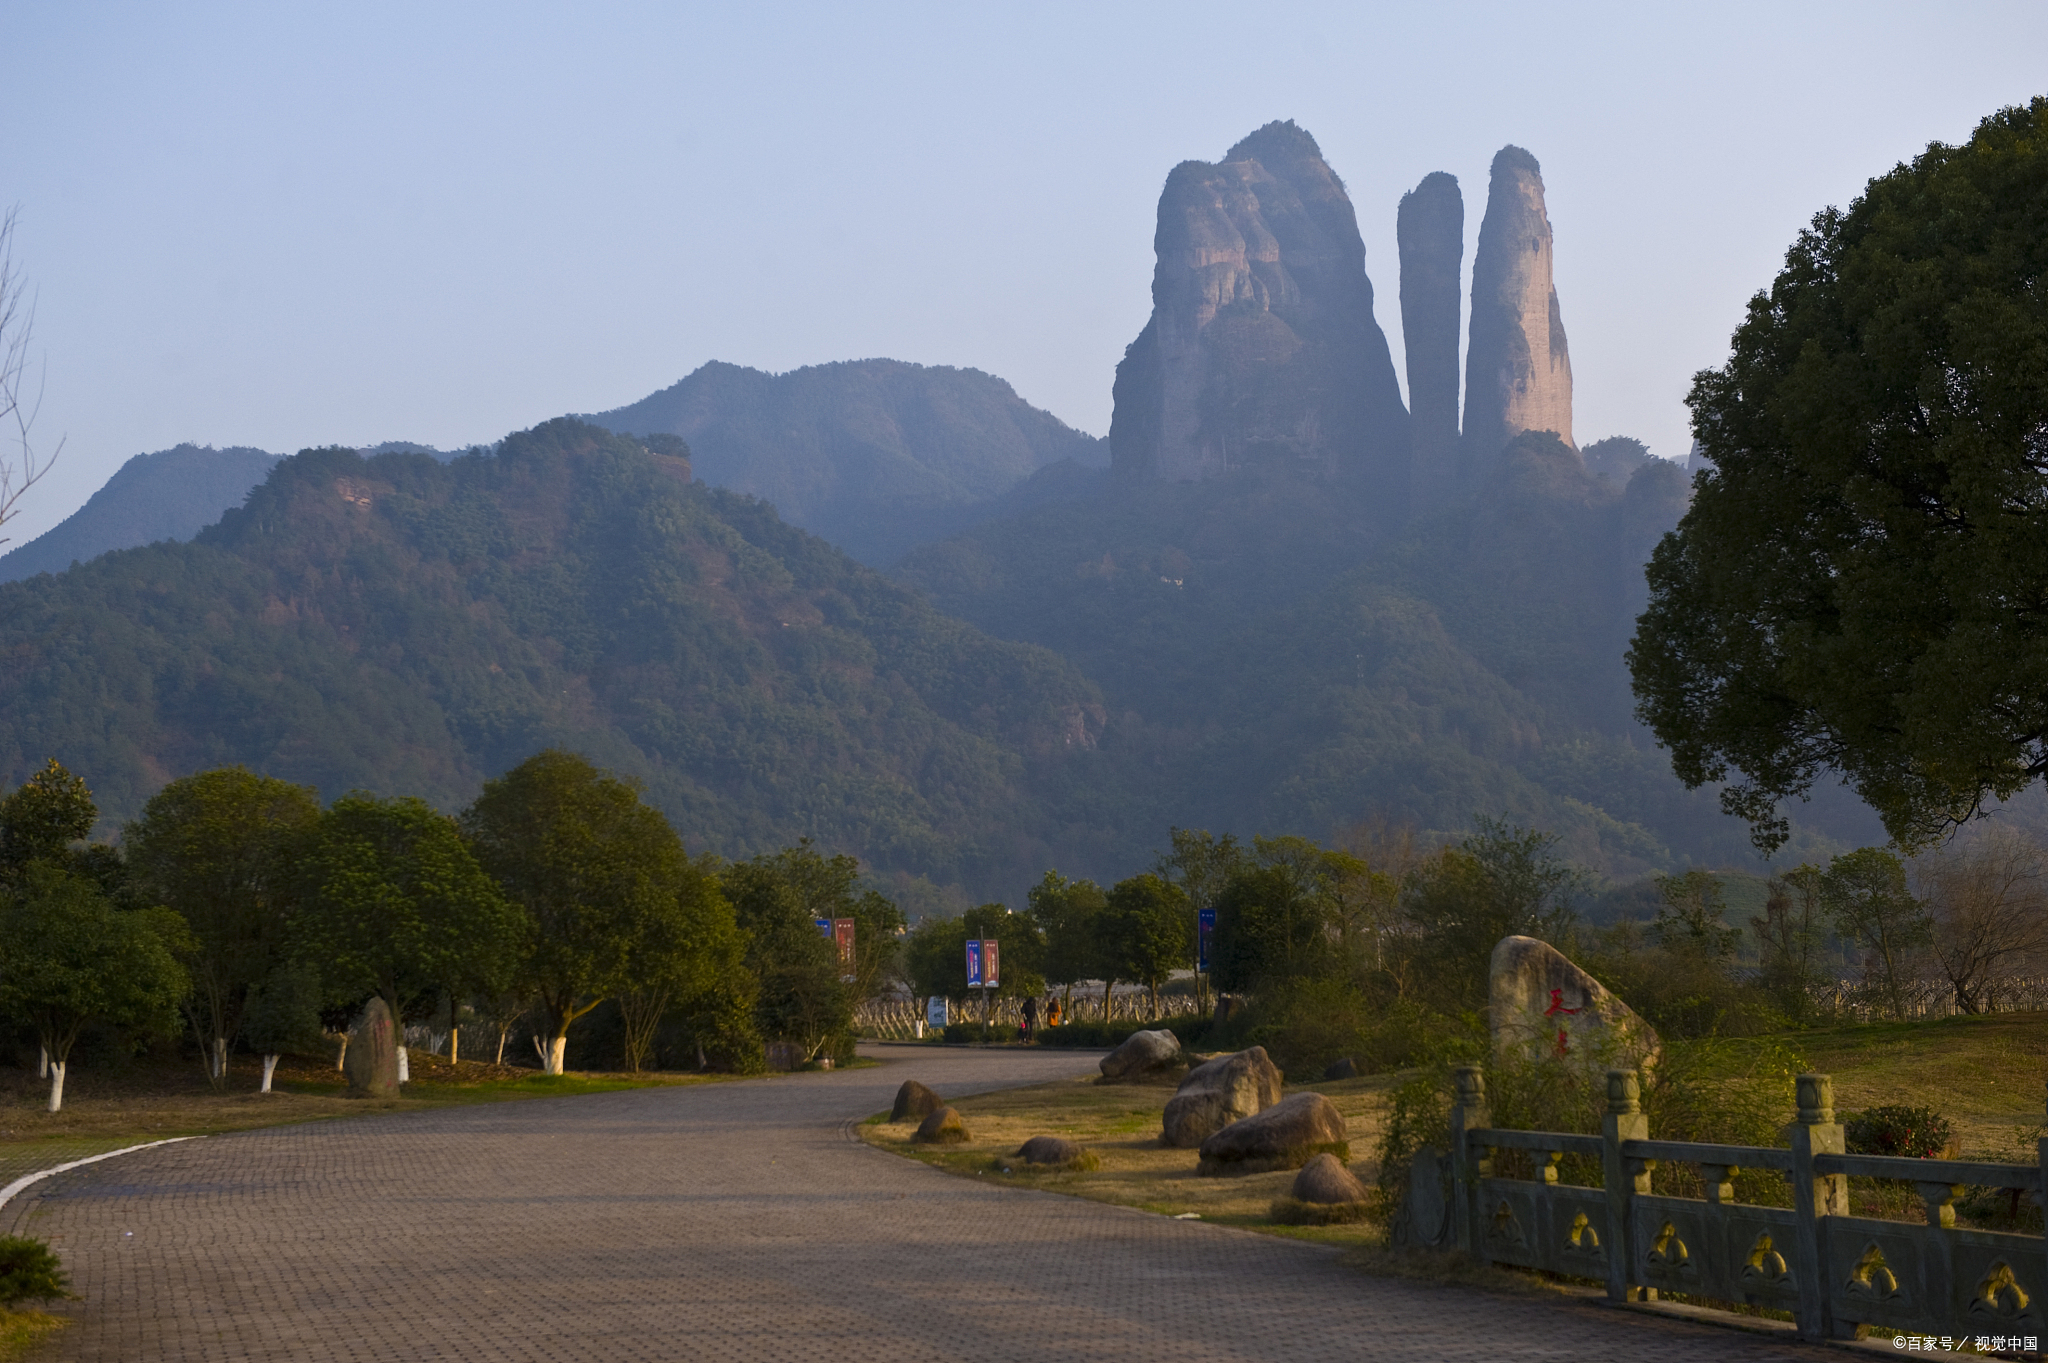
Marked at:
<point>1191,1031</point>
<point>973,1033</point>
<point>1290,1211</point>
<point>29,1272</point>
<point>1893,1129</point>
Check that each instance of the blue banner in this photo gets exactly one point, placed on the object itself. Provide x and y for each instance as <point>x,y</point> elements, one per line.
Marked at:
<point>824,927</point>
<point>974,963</point>
<point>1205,921</point>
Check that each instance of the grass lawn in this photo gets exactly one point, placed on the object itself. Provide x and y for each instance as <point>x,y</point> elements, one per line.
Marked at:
<point>1985,1073</point>
<point>1120,1124</point>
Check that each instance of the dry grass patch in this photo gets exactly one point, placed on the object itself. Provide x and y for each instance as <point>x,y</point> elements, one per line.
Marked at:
<point>108,1109</point>
<point>1119,1123</point>
<point>21,1331</point>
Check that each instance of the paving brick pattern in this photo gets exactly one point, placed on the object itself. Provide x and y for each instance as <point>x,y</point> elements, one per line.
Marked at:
<point>735,1221</point>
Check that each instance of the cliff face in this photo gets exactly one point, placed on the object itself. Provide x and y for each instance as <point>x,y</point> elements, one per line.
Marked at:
<point>1262,348</point>
<point>1430,228</point>
<point>1518,374</point>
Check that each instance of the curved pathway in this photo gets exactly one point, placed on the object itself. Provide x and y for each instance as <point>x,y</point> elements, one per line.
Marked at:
<point>728,1221</point>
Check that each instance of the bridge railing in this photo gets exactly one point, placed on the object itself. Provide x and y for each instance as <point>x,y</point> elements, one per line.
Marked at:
<point>1831,1270</point>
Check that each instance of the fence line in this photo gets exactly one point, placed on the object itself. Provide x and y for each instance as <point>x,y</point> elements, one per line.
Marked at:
<point>1831,1270</point>
<point>898,1019</point>
<point>1865,1001</point>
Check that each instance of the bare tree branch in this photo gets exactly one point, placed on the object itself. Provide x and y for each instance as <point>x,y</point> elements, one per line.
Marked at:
<point>20,468</point>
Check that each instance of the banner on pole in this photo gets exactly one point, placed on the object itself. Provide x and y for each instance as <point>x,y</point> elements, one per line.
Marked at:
<point>973,963</point>
<point>993,976</point>
<point>1205,929</point>
<point>824,927</point>
<point>935,1013</point>
<point>842,937</point>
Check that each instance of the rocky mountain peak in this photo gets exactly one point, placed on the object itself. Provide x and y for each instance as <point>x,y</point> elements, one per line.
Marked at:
<point>1262,348</point>
<point>1518,373</point>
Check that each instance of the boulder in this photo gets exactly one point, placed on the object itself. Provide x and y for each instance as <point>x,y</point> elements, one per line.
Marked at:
<point>1325,1179</point>
<point>371,1060</point>
<point>1544,1007</point>
<point>914,1103</point>
<point>1141,1054</point>
<point>1347,1068</point>
<point>943,1127</point>
<point>1284,1136</point>
<point>1218,1092</point>
<point>1051,1150</point>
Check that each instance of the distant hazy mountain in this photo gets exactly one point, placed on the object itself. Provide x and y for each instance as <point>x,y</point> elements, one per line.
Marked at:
<point>170,495</point>
<point>876,456</point>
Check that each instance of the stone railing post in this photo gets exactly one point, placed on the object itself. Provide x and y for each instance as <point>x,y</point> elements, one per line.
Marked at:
<point>1469,1113</point>
<point>1624,1178</point>
<point>1815,1132</point>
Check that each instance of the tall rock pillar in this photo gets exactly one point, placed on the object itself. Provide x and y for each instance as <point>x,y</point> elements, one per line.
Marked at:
<point>1262,350</point>
<point>1518,373</point>
<point>1430,229</point>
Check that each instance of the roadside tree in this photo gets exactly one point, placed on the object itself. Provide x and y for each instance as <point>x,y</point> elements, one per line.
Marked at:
<point>68,957</point>
<point>219,848</point>
<point>1866,893</point>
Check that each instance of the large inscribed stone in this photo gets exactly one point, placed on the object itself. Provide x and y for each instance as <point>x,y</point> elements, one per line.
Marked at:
<point>1544,1007</point>
<point>371,1060</point>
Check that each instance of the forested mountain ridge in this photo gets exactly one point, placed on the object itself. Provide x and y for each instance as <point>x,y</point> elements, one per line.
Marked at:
<point>170,495</point>
<point>410,626</point>
<point>1272,663</point>
<point>875,455</point>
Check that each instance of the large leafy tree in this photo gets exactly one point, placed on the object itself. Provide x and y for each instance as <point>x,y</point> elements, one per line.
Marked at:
<point>1500,881</point>
<point>396,905</point>
<point>41,818</point>
<point>1150,929</point>
<point>1866,893</point>
<point>1859,584</point>
<point>1068,915</point>
<point>69,957</point>
<point>221,849</point>
<point>592,866</point>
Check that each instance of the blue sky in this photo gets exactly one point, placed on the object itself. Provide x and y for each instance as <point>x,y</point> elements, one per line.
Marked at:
<point>287,225</point>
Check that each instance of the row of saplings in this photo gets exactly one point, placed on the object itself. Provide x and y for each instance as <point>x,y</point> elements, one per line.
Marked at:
<point>1228,1108</point>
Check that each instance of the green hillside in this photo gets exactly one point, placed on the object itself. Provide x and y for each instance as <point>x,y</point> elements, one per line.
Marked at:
<point>875,455</point>
<point>1271,664</point>
<point>405,625</point>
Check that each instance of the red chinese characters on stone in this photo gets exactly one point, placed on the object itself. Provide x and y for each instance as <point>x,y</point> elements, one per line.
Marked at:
<point>1556,1007</point>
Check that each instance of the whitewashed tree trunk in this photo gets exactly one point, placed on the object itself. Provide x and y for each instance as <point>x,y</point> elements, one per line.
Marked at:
<point>56,1086</point>
<point>269,1066</point>
<point>556,1048</point>
<point>219,1068</point>
<point>341,1056</point>
<point>43,1064</point>
<point>404,1067</point>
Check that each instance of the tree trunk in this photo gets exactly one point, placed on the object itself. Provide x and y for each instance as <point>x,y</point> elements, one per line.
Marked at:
<point>1107,985</point>
<point>43,1063</point>
<point>454,1043</point>
<point>56,1086</point>
<point>404,1067</point>
<point>219,1069</point>
<point>269,1067</point>
<point>341,1057</point>
<point>556,1048</point>
<point>503,1032</point>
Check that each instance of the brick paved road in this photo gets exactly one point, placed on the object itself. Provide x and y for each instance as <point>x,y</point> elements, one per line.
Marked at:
<point>732,1221</point>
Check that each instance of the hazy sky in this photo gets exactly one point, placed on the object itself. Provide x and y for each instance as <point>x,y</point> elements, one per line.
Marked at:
<point>285,225</point>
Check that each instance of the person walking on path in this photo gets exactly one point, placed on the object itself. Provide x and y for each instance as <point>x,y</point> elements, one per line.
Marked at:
<point>1030,1017</point>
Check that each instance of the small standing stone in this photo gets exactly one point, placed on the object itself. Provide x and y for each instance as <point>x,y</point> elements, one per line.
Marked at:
<point>943,1127</point>
<point>372,1056</point>
<point>1051,1150</point>
<point>1325,1179</point>
<point>914,1103</point>
<point>1142,1053</point>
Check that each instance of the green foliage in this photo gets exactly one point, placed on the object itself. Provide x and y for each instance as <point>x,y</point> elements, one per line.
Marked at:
<point>591,866</point>
<point>222,848</point>
<point>1691,919</point>
<point>1684,986</point>
<point>68,957</point>
<point>1068,913</point>
<point>42,817</point>
<point>397,905</point>
<point>1501,881</point>
<point>1895,1129</point>
<point>1789,936</point>
<point>29,1271</point>
<point>283,1015</point>
<point>1853,589</point>
<point>777,899</point>
<point>1865,892</point>
<point>1148,930</point>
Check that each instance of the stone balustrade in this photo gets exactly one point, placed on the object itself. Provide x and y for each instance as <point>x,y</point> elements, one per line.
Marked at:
<point>1832,1271</point>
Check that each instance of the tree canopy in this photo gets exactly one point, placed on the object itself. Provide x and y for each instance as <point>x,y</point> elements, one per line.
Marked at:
<point>1859,583</point>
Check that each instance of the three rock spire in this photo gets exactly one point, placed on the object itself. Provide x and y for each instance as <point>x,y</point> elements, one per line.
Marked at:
<point>1262,348</point>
